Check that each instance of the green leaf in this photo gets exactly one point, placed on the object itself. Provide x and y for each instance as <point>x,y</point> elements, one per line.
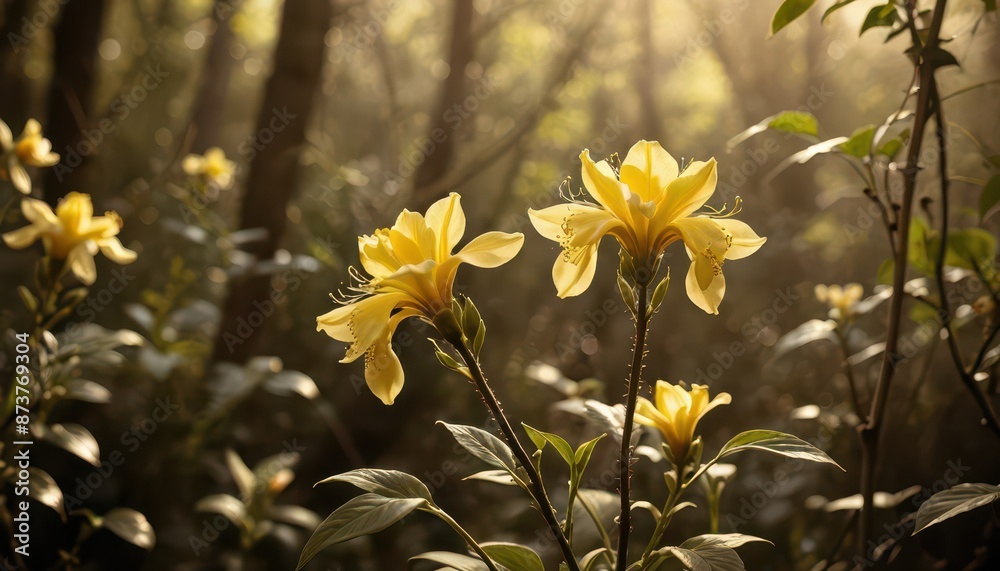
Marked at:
<point>989,196</point>
<point>385,483</point>
<point>812,330</point>
<point>483,445</point>
<point>590,559</point>
<point>712,559</point>
<point>659,293</point>
<point>584,452</point>
<point>246,482</point>
<point>363,515</point>
<point>70,437</point>
<point>558,442</point>
<point>131,526</point>
<point>501,477</point>
<point>834,8</point>
<point>29,299</point>
<point>731,540</point>
<point>924,246</point>
<point>886,270</point>
<point>890,148</point>
<point>970,248</point>
<point>776,442</point>
<point>87,391</point>
<point>788,12</point>
<point>452,560</point>
<point>954,501</point>
<point>227,506</point>
<point>796,122</point>
<point>879,16</point>
<point>44,490</point>
<point>860,143</point>
<point>938,57</point>
<point>806,154</point>
<point>513,556</point>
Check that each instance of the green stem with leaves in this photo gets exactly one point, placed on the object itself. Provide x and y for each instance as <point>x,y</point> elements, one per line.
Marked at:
<point>466,536</point>
<point>537,490</point>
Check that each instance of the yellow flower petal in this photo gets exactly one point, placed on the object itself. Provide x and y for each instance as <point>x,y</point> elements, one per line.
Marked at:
<point>383,371</point>
<point>708,299</point>
<point>22,237</point>
<point>572,274</point>
<point>601,183</point>
<point>690,191</point>
<point>447,219</point>
<point>744,240</point>
<point>19,178</point>
<point>81,263</point>
<point>75,211</point>
<point>707,243</point>
<point>113,250</point>
<point>491,249</point>
<point>38,213</point>
<point>648,169</point>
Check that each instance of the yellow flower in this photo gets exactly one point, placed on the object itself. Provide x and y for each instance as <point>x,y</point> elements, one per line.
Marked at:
<point>30,149</point>
<point>646,207</point>
<point>677,412</point>
<point>213,166</point>
<point>412,270</point>
<point>72,233</point>
<point>841,300</point>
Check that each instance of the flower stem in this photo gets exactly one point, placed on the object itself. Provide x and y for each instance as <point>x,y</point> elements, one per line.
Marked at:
<point>537,490</point>
<point>468,538</point>
<point>625,456</point>
<point>665,517</point>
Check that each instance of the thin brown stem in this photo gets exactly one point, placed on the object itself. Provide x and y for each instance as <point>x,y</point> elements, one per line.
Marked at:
<point>625,454</point>
<point>890,361</point>
<point>537,490</point>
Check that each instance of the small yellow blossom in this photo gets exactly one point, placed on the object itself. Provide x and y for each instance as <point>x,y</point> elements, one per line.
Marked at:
<point>677,412</point>
<point>646,206</point>
<point>213,167</point>
<point>30,149</point>
<point>72,233</point>
<point>412,271</point>
<point>842,300</point>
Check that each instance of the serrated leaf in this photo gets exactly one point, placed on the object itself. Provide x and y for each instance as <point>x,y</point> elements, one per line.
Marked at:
<point>778,443</point>
<point>796,122</point>
<point>954,501</point>
<point>385,483</point>
<point>788,12</point>
<point>364,515</point>
<point>860,143</point>
<point>513,556</point>
<point>131,526</point>
<point>483,445</point>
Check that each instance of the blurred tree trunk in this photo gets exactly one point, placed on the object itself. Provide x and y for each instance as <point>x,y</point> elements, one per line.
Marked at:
<point>207,111</point>
<point>76,38</point>
<point>274,169</point>
<point>645,75</point>
<point>14,95</point>
<point>454,90</point>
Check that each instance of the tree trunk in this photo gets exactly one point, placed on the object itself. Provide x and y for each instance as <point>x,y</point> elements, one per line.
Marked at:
<point>207,111</point>
<point>274,170</point>
<point>14,95</point>
<point>454,90</point>
<point>76,37</point>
